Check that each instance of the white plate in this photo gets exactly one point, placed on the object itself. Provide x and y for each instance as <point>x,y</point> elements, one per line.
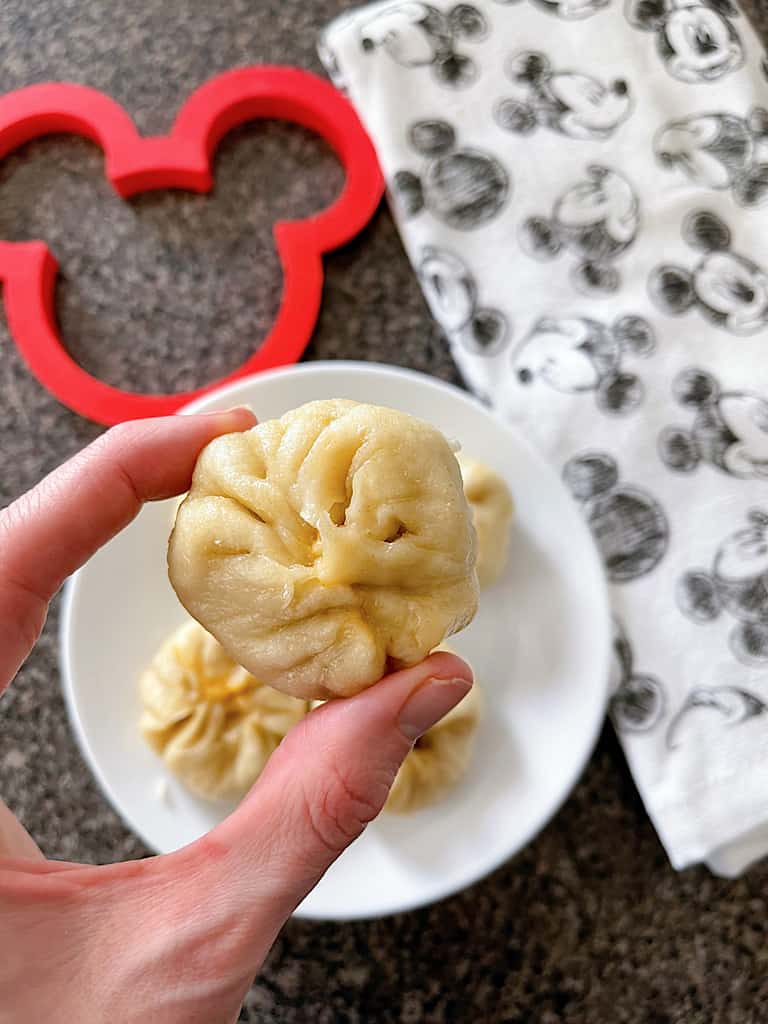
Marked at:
<point>539,646</point>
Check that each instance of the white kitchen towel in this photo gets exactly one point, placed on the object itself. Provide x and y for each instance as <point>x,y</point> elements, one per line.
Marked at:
<point>582,188</point>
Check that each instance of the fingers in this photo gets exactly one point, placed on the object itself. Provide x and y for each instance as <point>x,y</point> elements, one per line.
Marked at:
<point>180,937</point>
<point>54,528</point>
<point>327,780</point>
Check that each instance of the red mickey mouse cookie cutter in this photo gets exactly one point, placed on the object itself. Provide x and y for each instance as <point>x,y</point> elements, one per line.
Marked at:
<point>182,159</point>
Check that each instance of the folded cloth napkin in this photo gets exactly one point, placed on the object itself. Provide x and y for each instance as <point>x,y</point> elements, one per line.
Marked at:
<point>582,188</point>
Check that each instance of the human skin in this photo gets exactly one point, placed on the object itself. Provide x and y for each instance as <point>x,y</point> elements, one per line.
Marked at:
<point>177,939</point>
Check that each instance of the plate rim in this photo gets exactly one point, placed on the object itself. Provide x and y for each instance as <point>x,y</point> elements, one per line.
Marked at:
<point>548,811</point>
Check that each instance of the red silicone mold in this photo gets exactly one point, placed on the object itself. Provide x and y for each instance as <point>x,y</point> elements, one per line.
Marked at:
<point>182,159</point>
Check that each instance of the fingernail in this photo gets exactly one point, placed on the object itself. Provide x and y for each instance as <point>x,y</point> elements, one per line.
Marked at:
<point>236,410</point>
<point>228,412</point>
<point>429,703</point>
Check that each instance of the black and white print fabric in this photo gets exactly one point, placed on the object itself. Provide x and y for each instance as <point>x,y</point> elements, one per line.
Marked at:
<point>727,287</point>
<point>422,35</point>
<point>569,10</point>
<point>735,584</point>
<point>719,151</point>
<point>580,354</point>
<point>461,186</point>
<point>628,524</point>
<point>639,701</point>
<point>697,40</point>
<point>728,430</point>
<point>582,187</point>
<point>451,292</point>
<point>579,105</point>
<point>596,219</point>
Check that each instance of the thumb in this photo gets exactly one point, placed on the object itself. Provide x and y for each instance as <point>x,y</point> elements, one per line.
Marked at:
<point>329,777</point>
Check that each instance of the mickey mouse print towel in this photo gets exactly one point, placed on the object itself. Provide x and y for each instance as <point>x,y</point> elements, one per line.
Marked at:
<point>582,188</point>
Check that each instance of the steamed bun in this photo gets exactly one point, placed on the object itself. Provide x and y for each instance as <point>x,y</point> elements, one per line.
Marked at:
<point>438,759</point>
<point>212,723</point>
<point>492,508</point>
<point>327,546</point>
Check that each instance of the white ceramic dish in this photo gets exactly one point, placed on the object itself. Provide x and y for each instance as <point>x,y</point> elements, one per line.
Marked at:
<point>539,645</point>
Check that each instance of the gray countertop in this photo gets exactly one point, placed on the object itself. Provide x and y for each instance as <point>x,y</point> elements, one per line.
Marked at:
<point>589,924</point>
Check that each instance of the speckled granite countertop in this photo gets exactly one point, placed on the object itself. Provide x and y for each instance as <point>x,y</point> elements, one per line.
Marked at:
<point>589,925</point>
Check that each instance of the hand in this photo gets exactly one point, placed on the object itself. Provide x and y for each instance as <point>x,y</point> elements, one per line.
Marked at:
<point>177,939</point>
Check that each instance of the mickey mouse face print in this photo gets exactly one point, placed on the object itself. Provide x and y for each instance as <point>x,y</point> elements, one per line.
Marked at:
<point>463,187</point>
<point>580,354</point>
<point>575,104</point>
<point>421,35</point>
<point>736,584</point>
<point>452,294</point>
<point>729,431</point>
<point>729,289</point>
<point>695,39</point>
<point>719,151</point>
<point>597,219</point>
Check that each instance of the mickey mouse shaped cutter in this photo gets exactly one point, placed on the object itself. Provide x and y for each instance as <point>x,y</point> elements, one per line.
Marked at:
<point>182,159</point>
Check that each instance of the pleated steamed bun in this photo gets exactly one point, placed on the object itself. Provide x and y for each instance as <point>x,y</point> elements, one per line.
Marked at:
<point>439,758</point>
<point>492,509</point>
<point>327,546</point>
<point>213,724</point>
